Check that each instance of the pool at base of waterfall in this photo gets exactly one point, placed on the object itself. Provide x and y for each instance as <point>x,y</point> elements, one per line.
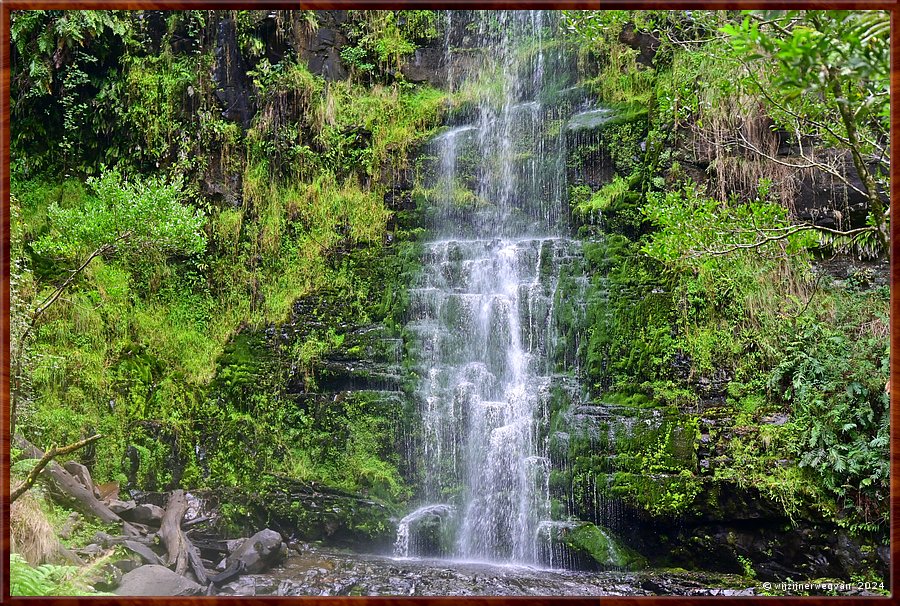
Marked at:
<point>323,572</point>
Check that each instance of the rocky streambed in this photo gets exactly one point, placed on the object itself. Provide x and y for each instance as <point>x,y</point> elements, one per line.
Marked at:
<point>311,570</point>
<point>324,572</point>
<point>318,571</point>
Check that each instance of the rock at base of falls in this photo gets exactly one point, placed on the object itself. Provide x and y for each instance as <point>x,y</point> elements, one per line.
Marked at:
<point>426,532</point>
<point>154,580</point>
<point>588,546</point>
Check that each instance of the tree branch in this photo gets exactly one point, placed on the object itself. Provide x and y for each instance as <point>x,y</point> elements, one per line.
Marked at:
<point>810,163</point>
<point>774,23</point>
<point>853,233</point>
<point>840,138</point>
<point>55,295</point>
<point>44,461</point>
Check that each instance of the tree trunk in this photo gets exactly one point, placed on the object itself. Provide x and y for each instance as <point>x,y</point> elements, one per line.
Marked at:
<point>876,206</point>
<point>181,552</point>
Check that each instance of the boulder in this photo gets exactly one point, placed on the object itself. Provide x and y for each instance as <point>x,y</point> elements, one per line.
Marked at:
<point>234,544</point>
<point>154,580</point>
<point>145,514</point>
<point>258,553</point>
<point>121,507</point>
<point>128,565</point>
<point>90,551</point>
<point>607,550</point>
<point>105,578</point>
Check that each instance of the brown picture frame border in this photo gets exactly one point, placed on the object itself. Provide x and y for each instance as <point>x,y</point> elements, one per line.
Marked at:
<point>893,6</point>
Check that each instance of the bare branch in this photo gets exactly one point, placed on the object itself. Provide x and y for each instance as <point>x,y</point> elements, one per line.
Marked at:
<point>810,163</point>
<point>688,43</point>
<point>852,234</point>
<point>774,23</point>
<point>44,461</point>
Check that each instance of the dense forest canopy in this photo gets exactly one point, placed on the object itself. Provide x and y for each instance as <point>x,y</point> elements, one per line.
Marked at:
<point>206,206</point>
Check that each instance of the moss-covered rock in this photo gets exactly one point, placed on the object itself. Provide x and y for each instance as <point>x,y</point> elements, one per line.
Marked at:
<point>604,548</point>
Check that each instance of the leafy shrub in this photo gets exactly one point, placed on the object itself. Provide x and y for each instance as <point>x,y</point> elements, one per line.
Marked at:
<point>138,215</point>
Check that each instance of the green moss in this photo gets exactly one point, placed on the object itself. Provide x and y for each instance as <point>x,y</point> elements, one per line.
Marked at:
<point>168,356</point>
<point>603,547</point>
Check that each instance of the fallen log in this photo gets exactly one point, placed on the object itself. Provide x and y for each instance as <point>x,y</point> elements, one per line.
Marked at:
<point>45,460</point>
<point>107,540</point>
<point>82,496</point>
<point>197,520</point>
<point>181,552</point>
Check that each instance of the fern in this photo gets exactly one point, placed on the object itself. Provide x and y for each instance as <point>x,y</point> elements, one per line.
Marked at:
<point>871,26</point>
<point>46,579</point>
<point>843,415</point>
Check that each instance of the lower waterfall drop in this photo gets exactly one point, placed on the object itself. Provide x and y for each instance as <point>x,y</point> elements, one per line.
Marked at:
<point>482,312</point>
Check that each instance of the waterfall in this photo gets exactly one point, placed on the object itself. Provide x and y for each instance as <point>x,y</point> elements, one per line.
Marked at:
<point>482,312</point>
<point>434,516</point>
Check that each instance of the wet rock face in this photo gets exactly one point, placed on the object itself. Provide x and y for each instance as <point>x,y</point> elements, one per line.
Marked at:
<point>825,201</point>
<point>644,43</point>
<point>156,26</point>
<point>776,549</point>
<point>722,526</point>
<point>426,65</point>
<point>321,48</point>
<point>223,186</point>
<point>368,364</point>
<point>728,525</point>
<point>234,91</point>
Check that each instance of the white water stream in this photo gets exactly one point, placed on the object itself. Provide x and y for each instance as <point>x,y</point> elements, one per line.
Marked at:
<point>482,314</point>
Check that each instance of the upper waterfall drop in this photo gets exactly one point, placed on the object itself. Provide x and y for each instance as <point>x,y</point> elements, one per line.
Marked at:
<point>482,312</point>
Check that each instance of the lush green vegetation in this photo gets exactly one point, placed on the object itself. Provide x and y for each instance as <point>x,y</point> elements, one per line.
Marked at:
<point>127,115</point>
<point>714,296</point>
<point>190,285</point>
<point>46,579</point>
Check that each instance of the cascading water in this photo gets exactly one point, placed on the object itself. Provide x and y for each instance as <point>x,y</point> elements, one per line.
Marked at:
<point>483,311</point>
